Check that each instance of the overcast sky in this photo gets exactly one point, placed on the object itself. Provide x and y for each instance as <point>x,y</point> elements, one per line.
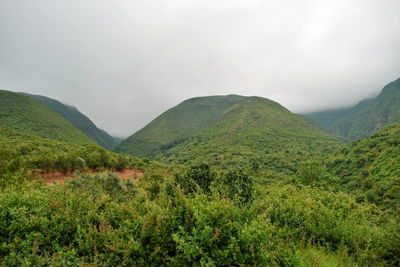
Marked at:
<point>124,62</point>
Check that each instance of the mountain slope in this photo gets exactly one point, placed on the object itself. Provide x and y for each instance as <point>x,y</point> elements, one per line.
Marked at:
<point>176,125</point>
<point>255,132</point>
<point>251,131</point>
<point>366,117</point>
<point>79,120</point>
<point>370,167</point>
<point>26,115</point>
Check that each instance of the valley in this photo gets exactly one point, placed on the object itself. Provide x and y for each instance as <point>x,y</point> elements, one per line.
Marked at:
<point>217,181</point>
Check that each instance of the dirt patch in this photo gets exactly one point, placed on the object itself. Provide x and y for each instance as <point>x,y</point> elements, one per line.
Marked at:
<point>129,173</point>
<point>53,177</point>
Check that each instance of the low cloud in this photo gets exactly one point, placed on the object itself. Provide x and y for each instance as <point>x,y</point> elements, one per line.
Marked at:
<point>124,62</point>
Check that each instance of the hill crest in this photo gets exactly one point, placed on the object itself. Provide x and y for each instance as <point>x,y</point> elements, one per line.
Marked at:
<point>29,116</point>
<point>78,119</point>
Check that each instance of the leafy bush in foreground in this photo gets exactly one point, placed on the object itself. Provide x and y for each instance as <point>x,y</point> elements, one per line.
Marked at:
<point>102,220</point>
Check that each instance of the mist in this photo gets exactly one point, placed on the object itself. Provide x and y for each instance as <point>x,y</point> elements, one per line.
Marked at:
<point>122,63</point>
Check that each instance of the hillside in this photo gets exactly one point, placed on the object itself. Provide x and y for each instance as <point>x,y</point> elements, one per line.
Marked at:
<point>366,117</point>
<point>258,133</point>
<point>27,115</point>
<point>176,125</point>
<point>79,120</point>
<point>370,168</point>
<point>253,132</point>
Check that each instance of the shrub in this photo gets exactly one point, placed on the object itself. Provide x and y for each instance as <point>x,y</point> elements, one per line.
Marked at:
<point>196,178</point>
<point>239,186</point>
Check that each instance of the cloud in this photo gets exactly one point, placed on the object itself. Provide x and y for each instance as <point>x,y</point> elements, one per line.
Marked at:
<point>124,62</point>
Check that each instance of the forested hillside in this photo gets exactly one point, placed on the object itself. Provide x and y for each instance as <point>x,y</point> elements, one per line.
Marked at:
<point>370,168</point>
<point>21,153</point>
<point>366,117</point>
<point>79,120</point>
<point>254,132</point>
<point>176,125</point>
<point>26,115</point>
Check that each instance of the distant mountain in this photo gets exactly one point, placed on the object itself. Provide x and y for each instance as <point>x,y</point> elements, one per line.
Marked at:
<point>176,125</point>
<point>79,120</point>
<point>366,117</point>
<point>328,117</point>
<point>27,115</point>
<point>245,130</point>
<point>370,167</point>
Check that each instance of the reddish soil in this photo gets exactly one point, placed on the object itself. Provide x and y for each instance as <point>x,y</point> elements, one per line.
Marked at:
<point>129,173</point>
<point>53,177</point>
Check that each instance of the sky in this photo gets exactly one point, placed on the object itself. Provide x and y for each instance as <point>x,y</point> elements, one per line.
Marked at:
<point>124,62</point>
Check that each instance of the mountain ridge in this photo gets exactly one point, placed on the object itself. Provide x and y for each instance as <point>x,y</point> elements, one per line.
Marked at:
<point>27,115</point>
<point>78,119</point>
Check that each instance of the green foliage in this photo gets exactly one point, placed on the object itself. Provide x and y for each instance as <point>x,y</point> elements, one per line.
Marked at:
<point>235,184</point>
<point>332,219</point>
<point>314,173</point>
<point>100,184</point>
<point>29,116</point>
<point>98,219</point>
<point>21,154</point>
<point>310,172</point>
<point>197,178</point>
<point>79,120</point>
<point>370,168</point>
<point>239,185</point>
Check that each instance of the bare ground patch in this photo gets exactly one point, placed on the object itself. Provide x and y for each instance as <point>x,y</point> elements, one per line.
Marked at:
<point>53,177</point>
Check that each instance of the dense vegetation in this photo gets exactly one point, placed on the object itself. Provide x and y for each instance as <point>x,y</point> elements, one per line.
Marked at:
<point>252,133</point>
<point>366,117</point>
<point>101,220</point>
<point>29,116</point>
<point>80,121</point>
<point>21,154</point>
<point>370,168</point>
<point>255,133</point>
<point>176,125</point>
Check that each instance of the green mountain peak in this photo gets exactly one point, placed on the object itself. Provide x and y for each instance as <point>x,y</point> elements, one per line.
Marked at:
<point>238,131</point>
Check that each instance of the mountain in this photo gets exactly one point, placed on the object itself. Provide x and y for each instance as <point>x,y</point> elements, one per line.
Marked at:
<point>329,117</point>
<point>79,120</point>
<point>251,131</point>
<point>370,168</point>
<point>27,115</point>
<point>366,117</point>
<point>176,125</point>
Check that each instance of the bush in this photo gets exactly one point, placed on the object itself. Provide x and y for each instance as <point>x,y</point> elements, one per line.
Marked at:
<point>239,186</point>
<point>197,178</point>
